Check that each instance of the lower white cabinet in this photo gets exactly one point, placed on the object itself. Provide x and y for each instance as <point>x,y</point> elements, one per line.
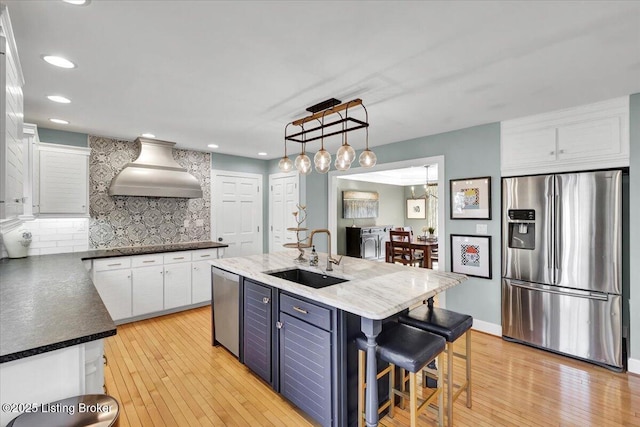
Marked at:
<point>141,285</point>
<point>114,287</point>
<point>177,285</point>
<point>51,376</point>
<point>200,282</point>
<point>147,289</point>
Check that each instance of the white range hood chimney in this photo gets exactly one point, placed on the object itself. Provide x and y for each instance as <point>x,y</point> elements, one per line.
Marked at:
<point>155,173</point>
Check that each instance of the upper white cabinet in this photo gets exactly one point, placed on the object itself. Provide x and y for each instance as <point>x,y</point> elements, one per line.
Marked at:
<point>31,171</point>
<point>64,178</point>
<point>11,113</point>
<point>593,136</point>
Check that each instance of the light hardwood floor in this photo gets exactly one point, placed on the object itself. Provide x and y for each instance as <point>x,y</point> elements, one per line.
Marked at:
<point>164,372</point>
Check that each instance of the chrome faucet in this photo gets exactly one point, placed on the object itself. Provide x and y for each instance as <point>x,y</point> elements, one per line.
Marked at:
<point>330,260</point>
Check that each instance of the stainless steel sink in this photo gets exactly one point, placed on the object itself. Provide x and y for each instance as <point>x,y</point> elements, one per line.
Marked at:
<point>307,278</point>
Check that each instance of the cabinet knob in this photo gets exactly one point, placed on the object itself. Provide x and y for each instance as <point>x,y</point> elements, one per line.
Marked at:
<point>561,151</point>
<point>551,153</point>
<point>266,300</point>
<point>195,268</point>
<point>279,325</point>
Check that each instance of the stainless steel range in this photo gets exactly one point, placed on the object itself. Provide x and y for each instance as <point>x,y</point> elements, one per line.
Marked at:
<point>561,264</point>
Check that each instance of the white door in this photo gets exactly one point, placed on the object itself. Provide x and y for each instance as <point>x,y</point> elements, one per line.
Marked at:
<point>283,198</point>
<point>177,285</point>
<point>147,289</point>
<point>237,212</point>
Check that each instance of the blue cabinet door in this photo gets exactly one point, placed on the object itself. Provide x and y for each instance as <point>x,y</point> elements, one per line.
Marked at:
<point>305,367</point>
<point>257,329</point>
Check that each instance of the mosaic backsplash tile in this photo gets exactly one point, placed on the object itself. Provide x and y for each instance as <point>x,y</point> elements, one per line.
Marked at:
<point>140,221</point>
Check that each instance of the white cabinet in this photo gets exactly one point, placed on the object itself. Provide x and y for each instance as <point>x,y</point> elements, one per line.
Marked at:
<point>147,289</point>
<point>593,136</point>
<point>177,285</point>
<point>201,275</point>
<point>11,114</point>
<point>64,177</point>
<point>138,286</point>
<point>94,367</point>
<point>31,171</point>
<point>112,279</point>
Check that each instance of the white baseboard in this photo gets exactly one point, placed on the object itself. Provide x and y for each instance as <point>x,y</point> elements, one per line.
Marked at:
<point>634,366</point>
<point>487,328</point>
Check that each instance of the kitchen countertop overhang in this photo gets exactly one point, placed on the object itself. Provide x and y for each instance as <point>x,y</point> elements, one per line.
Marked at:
<point>375,290</point>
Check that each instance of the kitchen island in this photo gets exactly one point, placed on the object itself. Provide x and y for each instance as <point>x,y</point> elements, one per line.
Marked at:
<point>373,291</point>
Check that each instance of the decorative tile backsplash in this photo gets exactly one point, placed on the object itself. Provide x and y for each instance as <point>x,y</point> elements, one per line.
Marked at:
<point>139,221</point>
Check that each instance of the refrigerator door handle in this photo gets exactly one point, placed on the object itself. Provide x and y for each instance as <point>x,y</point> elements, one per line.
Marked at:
<point>569,292</point>
<point>557,244</point>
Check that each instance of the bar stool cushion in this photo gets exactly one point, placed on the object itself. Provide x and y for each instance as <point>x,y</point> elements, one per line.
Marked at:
<point>446,323</point>
<point>405,346</point>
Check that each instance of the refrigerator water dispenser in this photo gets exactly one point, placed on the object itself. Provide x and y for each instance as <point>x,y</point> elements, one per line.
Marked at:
<point>522,228</point>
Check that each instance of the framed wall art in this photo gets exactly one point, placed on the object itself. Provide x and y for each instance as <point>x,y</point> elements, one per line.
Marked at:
<point>359,204</point>
<point>471,255</point>
<point>416,209</point>
<point>471,198</point>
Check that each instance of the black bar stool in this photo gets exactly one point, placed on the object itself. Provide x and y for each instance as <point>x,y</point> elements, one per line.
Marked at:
<point>451,326</point>
<point>410,349</point>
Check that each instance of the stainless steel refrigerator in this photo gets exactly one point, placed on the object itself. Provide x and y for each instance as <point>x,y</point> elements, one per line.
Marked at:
<point>561,264</point>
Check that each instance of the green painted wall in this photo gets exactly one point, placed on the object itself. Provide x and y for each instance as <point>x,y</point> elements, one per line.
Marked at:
<point>54,136</point>
<point>390,208</point>
<point>634,229</point>
<point>470,152</point>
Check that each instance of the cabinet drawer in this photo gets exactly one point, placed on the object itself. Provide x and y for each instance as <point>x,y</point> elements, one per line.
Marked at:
<point>111,263</point>
<point>310,313</point>
<point>204,254</point>
<point>146,260</point>
<point>173,257</point>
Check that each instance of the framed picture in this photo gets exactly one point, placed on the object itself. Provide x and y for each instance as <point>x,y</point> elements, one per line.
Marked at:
<point>416,209</point>
<point>471,198</point>
<point>471,255</point>
<point>359,204</point>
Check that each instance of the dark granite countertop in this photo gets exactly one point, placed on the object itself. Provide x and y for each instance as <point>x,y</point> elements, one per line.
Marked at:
<point>144,250</point>
<point>49,302</point>
<point>46,303</point>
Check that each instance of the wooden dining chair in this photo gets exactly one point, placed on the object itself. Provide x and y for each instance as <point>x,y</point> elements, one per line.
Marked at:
<point>401,248</point>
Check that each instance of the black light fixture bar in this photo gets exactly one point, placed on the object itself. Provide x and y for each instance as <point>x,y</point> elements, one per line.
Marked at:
<point>320,106</point>
<point>297,137</point>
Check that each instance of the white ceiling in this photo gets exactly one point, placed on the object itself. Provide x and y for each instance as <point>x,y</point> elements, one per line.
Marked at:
<point>416,175</point>
<point>234,73</point>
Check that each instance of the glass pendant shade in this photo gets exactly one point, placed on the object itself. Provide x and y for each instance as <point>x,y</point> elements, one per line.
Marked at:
<point>368,159</point>
<point>346,152</point>
<point>303,164</point>
<point>342,164</point>
<point>285,164</point>
<point>322,160</point>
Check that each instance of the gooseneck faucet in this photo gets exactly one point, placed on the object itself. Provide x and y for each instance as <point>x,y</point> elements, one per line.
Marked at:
<point>330,260</point>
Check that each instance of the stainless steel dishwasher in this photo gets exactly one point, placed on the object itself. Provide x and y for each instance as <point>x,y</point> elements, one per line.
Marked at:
<point>226,309</point>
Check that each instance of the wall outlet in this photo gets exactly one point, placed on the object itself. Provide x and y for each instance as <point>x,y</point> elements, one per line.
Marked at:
<point>186,222</point>
<point>199,223</point>
<point>481,228</point>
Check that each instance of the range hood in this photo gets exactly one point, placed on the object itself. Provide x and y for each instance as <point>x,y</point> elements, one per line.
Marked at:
<point>155,173</point>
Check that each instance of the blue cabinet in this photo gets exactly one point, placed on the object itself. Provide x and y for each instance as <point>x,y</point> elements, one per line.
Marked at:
<point>257,329</point>
<point>305,367</point>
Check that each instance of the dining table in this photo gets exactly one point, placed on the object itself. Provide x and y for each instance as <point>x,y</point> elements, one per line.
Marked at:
<point>426,246</point>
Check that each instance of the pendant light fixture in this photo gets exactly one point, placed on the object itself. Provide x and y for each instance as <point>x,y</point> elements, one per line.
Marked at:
<point>322,159</point>
<point>285,164</point>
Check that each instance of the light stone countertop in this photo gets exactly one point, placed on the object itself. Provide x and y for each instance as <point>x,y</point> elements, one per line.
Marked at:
<point>375,290</point>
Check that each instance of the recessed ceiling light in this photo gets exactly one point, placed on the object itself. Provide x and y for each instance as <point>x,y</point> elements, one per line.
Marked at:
<point>59,99</point>
<point>212,145</point>
<point>78,2</point>
<point>59,61</point>
<point>262,153</point>
<point>148,135</point>
<point>59,121</point>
